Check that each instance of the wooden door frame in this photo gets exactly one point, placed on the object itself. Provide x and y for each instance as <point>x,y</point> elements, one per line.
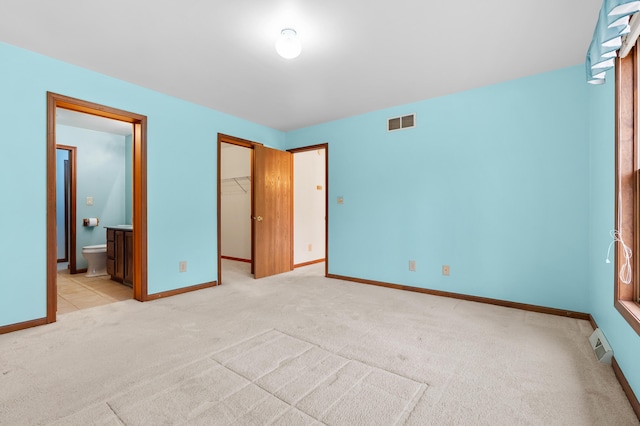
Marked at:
<point>139,122</point>
<point>324,146</point>
<point>232,140</point>
<point>72,150</point>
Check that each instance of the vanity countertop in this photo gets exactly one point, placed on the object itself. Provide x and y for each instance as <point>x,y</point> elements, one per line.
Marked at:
<point>121,227</point>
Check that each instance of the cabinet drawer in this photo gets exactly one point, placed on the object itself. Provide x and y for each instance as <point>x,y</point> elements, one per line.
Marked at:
<point>111,250</point>
<point>111,267</point>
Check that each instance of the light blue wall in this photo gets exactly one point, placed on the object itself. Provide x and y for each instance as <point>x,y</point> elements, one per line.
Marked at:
<point>623,339</point>
<point>510,184</point>
<point>492,182</point>
<point>100,173</point>
<point>181,176</point>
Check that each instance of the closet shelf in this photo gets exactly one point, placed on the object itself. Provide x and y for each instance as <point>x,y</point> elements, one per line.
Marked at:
<point>229,185</point>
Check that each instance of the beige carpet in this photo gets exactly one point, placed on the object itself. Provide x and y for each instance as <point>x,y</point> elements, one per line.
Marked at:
<point>301,349</point>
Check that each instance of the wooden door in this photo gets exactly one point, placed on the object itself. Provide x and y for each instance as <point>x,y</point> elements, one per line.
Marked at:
<point>272,211</point>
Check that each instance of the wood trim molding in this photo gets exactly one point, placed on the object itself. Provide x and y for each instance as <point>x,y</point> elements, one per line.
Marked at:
<point>628,391</point>
<point>237,259</point>
<point>163,294</point>
<point>631,396</point>
<point>309,148</point>
<point>630,311</point>
<point>52,266</point>
<point>218,208</point>
<point>237,141</point>
<point>503,303</point>
<point>312,262</point>
<point>23,325</point>
<point>139,123</point>
<point>626,158</point>
<point>140,236</point>
<point>592,320</point>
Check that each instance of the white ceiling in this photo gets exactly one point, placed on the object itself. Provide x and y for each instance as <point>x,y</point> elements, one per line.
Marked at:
<point>358,55</point>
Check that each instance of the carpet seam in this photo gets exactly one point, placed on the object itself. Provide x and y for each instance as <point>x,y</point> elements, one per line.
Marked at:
<point>413,403</point>
<point>348,390</point>
<point>358,360</point>
<point>115,413</point>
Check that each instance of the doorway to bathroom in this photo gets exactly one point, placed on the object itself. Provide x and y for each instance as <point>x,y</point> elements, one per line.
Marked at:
<point>100,174</point>
<point>70,119</point>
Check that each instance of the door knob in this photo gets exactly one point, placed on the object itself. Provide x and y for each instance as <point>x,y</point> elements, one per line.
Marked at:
<point>258,218</point>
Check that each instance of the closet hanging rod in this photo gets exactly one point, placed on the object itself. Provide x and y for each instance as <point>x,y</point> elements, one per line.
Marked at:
<point>236,178</point>
<point>237,181</point>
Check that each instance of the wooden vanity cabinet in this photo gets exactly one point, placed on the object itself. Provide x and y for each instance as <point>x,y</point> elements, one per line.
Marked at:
<point>128,258</point>
<point>111,252</point>
<point>120,255</point>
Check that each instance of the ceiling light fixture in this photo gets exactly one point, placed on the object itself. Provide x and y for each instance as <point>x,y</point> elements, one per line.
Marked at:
<point>288,45</point>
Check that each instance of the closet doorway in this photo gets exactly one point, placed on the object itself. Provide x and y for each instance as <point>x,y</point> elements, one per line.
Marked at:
<point>139,191</point>
<point>269,189</point>
<point>236,195</point>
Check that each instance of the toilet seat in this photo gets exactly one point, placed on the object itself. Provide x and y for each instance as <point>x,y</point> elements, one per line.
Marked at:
<point>95,248</point>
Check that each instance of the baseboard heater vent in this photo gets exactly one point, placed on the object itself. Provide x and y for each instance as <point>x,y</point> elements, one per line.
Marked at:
<point>399,123</point>
<point>600,346</point>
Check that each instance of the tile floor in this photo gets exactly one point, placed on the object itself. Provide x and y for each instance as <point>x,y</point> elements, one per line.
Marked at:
<point>77,292</point>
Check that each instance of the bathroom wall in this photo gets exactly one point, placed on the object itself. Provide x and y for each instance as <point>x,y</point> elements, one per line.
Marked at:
<point>235,201</point>
<point>100,174</point>
<point>61,156</point>
<point>309,206</point>
<point>128,180</point>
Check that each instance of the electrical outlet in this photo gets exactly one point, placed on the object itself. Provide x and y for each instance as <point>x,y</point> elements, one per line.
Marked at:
<point>412,265</point>
<point>89,201</point>
<point>445,270</point>
<point>310,248</point>
<point>183,266</point>
<point>340,200</point>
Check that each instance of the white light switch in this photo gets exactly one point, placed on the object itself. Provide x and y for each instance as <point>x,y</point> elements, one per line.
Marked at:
<point>89,201</point>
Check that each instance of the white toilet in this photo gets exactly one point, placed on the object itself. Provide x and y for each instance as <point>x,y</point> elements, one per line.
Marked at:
<point>96,260</point>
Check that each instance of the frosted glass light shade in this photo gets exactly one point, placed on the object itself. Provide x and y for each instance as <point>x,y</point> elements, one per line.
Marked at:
<point>288,45</point>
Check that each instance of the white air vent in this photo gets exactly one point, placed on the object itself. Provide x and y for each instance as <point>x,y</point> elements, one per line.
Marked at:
<point>600,346</point>
<point>399,123</point>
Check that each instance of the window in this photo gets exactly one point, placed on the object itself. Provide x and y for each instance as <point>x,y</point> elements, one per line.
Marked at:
<point>627,205</point>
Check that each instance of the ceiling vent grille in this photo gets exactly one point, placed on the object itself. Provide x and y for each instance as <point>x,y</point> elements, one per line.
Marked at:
<point>400,123</point>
